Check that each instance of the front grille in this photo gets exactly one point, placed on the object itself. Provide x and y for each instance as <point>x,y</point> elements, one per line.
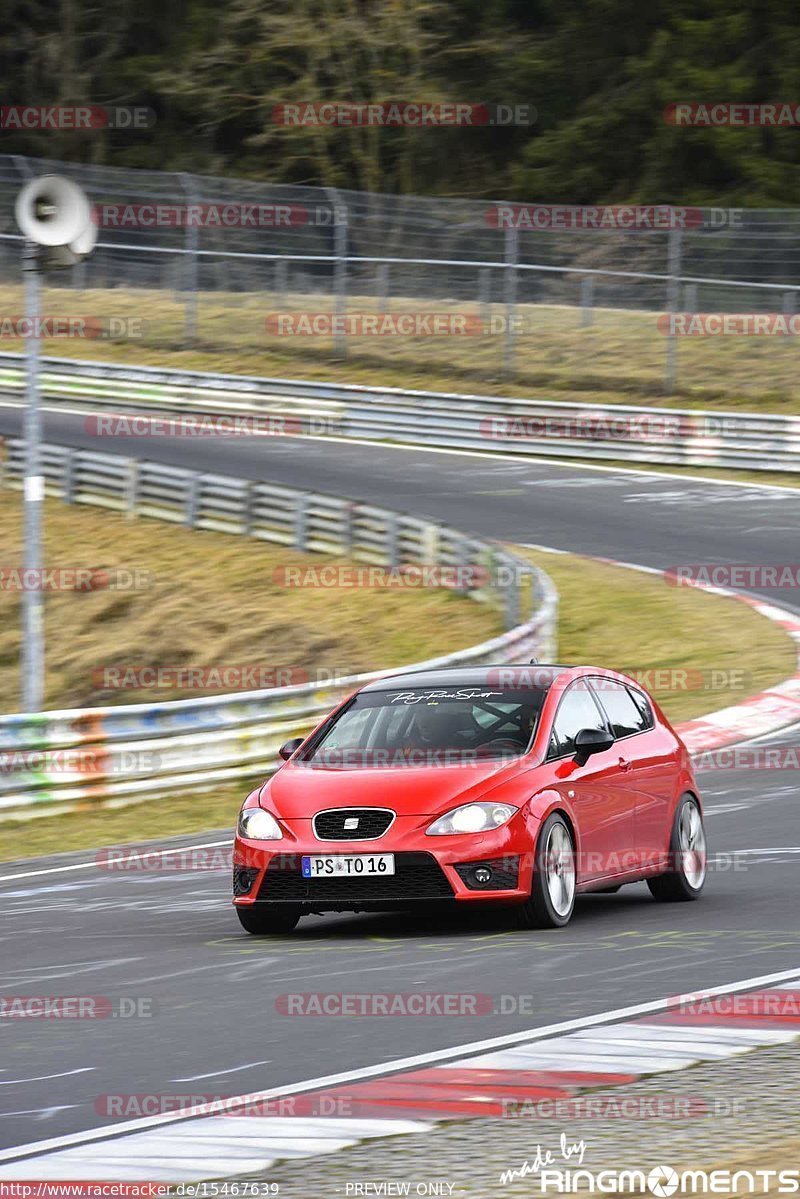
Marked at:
<point>505,872</point>
<point>417,876</point>
<point>372,823</point>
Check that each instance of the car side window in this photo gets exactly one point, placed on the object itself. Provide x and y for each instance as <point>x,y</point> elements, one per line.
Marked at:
<point>624,716</point>
<point>577,710</point>
<point>644,706</point>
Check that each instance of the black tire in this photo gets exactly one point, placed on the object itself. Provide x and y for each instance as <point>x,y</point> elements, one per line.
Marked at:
<point>266,918</point>
<point>540,911</point>
<point>685,879</point>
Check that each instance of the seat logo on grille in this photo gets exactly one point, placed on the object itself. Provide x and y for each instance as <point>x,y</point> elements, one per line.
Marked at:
<point>351,822</point>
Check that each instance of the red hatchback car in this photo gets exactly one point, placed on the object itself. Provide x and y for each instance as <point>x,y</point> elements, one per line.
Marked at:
<point>518,785</point>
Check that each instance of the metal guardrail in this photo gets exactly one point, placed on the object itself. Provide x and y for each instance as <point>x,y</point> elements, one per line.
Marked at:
<point>201,743</point>
<point>516,426</point>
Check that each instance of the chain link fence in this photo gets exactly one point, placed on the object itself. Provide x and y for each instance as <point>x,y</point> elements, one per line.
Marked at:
<point>564,297</point>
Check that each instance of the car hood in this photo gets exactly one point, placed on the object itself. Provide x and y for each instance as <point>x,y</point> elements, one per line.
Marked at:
<point>299,791</point>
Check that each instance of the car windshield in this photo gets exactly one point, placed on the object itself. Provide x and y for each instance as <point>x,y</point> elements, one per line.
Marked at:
<point>429,726</point>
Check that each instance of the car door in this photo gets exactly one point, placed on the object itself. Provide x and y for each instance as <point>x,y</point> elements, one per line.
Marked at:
<point>597,791</point>
<point>651,765</point>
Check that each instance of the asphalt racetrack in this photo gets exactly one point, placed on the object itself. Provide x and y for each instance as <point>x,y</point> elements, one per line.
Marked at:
<point>172,940</point>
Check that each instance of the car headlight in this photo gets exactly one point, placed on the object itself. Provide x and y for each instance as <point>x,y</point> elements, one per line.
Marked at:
<point>258,825</point>
<point>472,818</point>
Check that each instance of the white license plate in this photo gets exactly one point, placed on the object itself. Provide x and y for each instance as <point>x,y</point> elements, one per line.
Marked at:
<point>348,864</point>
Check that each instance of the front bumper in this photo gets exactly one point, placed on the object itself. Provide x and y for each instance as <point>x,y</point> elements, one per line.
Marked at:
<point>429,870</point>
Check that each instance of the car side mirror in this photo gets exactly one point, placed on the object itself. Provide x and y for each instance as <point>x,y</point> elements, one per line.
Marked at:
<point>591,741</point>
<point>289,747</point>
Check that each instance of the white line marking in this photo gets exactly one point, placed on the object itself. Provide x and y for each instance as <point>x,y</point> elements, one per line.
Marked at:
<point>46,1077</point>
<point>218,1073</point>
<point>397,1064</point>
<point>10,878</point>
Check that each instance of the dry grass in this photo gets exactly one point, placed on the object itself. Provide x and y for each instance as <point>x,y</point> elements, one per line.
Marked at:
<point>619,359</point>
<point>211,602</point>
<point>634,622</point>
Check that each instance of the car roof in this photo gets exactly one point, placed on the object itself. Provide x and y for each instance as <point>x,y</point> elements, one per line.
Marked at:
<point>540,674</point>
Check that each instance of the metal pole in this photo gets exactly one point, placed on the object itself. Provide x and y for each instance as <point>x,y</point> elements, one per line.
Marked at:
<point>191,285</point>
<point>32,609</point>
<point>673,290</point>
<point>587,300</point>
<point>190,280</point>
<point>511,254</point>
<point>340,277</point>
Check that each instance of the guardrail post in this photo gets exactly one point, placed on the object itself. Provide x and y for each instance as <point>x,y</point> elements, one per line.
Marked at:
<point>690,297</point>
<point>511,257</point>
<point>430,545</point>
<point>68,477</point>
<point>248,500</point>
<point>393,542</point>
<point>301,522</point>
<point>348,528</point>
<point>131,487</point>
<point>673,300</point>
<point>463,562</point>
<point>339,271</point>
<point>587,300</point>
<point>192,498</point>
<point>512,604</point>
